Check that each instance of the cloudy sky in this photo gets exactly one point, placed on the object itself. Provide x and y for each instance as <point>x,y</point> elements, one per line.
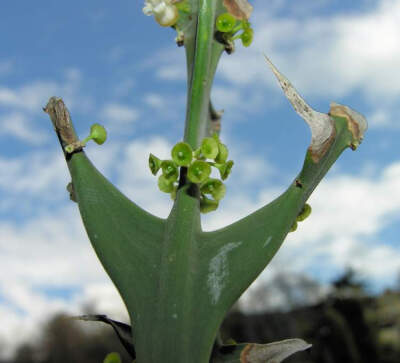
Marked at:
<point>115,66</point>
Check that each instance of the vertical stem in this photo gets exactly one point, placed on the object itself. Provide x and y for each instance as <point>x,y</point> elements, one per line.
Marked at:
<point>202,52</point>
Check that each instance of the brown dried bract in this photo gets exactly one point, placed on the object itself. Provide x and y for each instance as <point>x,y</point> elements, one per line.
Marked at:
<point>274,352</point>
<point>317,155</point>
<point>61,120</point>
<point>245,353</point>
<point>356,122</point>
<point>240,9</point>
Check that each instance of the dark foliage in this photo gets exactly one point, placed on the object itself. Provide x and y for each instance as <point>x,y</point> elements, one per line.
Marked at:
<point>347,327</point>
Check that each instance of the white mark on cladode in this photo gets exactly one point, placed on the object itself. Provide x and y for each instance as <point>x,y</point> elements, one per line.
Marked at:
<point>267,241</point>
<point>218,270</point>
<point>175,316</point>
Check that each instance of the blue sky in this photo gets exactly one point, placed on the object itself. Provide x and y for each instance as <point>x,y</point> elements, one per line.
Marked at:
<point>115,66</point>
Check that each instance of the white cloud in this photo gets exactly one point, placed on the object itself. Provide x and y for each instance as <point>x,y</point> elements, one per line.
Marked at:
<point>169,65</point>
<point>384,118</point>
<point>155,100</point>
<point>171,72</point>
<point>18,125</point>
<point>119,113</point>
<point>37,174</point>
<point>31,97</point>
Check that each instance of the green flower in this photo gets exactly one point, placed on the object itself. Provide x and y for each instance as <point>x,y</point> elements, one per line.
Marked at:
<point>182,154</point>
<point>154,164</point>
<point>165,185</point>
<point>305,212</point>
<point>224,169</point>
<point>214,187</point>
<point>208,205</point>
<point>209,148</point>
<point>199,171</point>
<point>225,22</point>
<point>294,227</point>
<point>170,170</point>
<point>222,154</point>
<point>247,37</point>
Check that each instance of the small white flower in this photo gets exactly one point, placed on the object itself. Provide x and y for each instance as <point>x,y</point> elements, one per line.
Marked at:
<point>165,13</point>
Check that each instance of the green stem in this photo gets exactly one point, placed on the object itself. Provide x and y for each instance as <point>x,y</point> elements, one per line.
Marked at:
<point>203,53</point>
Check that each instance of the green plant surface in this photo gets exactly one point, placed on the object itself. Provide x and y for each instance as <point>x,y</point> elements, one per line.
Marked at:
<point>177,281</point>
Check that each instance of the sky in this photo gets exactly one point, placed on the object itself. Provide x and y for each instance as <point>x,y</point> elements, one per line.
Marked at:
<point>113,65</point>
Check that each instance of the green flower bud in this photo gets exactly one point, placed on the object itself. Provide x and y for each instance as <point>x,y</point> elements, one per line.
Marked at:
<point>154,164</point>
<point>98,134</point>
<point>222,154</point>
<point>305,212</point>
<point>170,170</point>
<point>209,148</point>
<point>197,154</point>
<point>208,205</point>
<point>112,358</point>
<point>224,169</point>
<point>246,24</point>
<point>294,227</point>
<point>225,22</point>
<point>199,171</point>
<point>247,37</point>
<point>69,149</point>
<point>182,154</point>
<point>215,187</point>
<point>165,185</point>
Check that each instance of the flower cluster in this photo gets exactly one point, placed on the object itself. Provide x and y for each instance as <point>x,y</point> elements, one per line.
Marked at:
<point>211,153</point>
<point>227,24</point>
